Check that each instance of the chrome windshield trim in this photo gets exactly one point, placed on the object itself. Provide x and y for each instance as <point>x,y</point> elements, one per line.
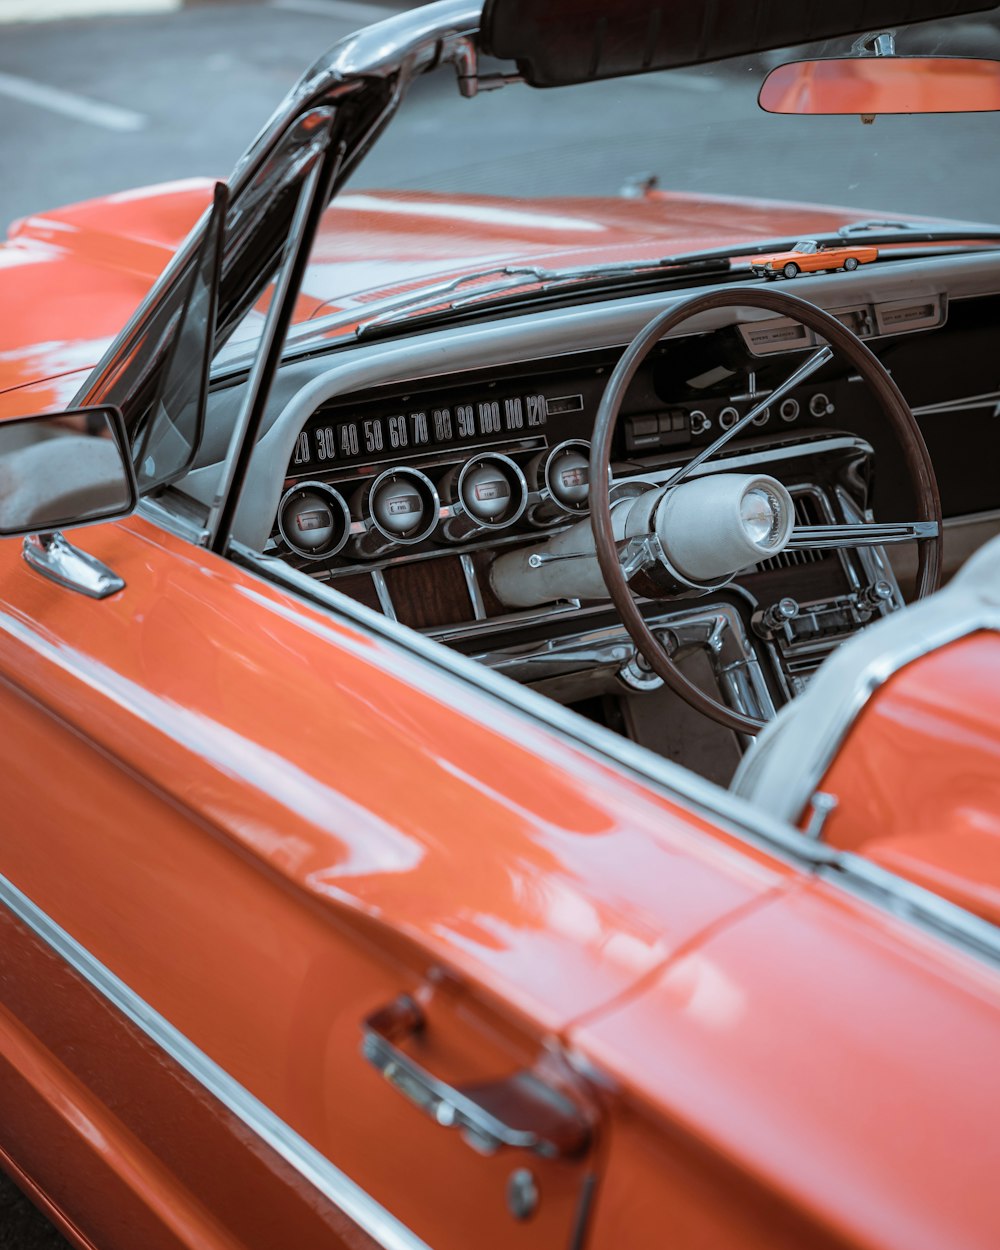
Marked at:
<point>381,1226</point>
<point>405,45</point>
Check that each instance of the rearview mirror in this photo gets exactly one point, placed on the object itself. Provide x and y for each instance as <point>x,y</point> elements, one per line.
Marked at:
<point>869,85</point>
<point>64,470</point>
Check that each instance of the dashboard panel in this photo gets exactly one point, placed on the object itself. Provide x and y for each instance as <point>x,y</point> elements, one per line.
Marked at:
<point>402,495</point>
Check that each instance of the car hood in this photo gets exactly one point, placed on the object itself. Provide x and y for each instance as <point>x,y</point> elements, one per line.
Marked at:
<point>76,274</point>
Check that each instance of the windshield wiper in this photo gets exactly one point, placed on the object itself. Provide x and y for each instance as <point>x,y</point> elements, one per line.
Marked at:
<point>520,276</point>
<point>920,231</point>
<point>440,300</point>
<point>875,230</point>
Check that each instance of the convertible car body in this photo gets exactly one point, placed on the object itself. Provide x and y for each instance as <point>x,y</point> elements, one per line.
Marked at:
<point>407,843</point>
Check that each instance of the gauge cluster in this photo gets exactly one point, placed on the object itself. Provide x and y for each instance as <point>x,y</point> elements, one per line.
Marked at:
<point>369,517</point>
<point>410,474</point>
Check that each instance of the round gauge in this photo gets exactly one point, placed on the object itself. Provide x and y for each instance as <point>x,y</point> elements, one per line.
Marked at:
<point>403,505</point>
<point>492,490</point>
<point>567,475</point>
<point>314,520</point>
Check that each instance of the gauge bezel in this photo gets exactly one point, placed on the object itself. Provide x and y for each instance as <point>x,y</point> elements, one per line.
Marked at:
<point>511,470</point>
<point>336,498</point>
<point>423,484</point>
<point>569,509</point>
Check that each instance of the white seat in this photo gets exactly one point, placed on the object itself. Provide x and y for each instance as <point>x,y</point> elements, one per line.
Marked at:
<point>785,765</point>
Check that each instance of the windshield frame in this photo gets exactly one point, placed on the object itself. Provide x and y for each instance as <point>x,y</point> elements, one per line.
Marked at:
<point>359,83</point>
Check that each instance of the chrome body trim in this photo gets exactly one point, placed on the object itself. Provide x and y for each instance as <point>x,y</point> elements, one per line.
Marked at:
<point>56,558</point>
<point>314,1168</point>
<point>154,510</point>
<point>244,429</point>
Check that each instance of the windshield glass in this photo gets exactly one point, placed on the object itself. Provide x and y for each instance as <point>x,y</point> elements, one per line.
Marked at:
<point>628,170</point>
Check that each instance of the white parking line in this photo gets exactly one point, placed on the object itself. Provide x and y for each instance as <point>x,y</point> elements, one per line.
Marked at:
<point>345,10</point>
<point>57,10</point>
<point>70,105</point>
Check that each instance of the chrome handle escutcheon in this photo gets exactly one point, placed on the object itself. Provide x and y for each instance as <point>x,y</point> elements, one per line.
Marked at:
<point>521,1111</point>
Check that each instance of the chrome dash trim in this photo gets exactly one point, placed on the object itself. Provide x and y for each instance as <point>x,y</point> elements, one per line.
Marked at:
<point>382,592</point>
<point>755,459</point>
<point>472,586</point>
<point>378,1223</point>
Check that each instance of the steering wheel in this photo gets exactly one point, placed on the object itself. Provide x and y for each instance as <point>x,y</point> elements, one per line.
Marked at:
<point>926,531</point>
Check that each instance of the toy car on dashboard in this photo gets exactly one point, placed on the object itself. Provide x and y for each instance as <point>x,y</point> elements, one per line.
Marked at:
<point>808,256</point>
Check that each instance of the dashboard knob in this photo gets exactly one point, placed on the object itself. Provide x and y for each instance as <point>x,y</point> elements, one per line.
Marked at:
<point>775,617</point>
<point>876,595</point>
<point>786,609</point>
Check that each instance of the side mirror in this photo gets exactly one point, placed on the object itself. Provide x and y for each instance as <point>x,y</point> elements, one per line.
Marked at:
<point>869,85</point>
<point>64,470</point>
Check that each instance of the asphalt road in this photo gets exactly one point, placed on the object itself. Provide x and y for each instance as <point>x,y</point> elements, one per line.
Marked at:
<point>188,90</point>
<point>93,107</point>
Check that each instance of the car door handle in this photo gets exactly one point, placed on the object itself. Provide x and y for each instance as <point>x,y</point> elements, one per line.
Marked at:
<point>522,1111</point>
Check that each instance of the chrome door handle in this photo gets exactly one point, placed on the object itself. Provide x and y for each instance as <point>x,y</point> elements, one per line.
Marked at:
<point>521,1111</point>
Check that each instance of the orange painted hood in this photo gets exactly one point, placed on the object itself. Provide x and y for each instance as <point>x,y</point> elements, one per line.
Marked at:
<point>76,274</point>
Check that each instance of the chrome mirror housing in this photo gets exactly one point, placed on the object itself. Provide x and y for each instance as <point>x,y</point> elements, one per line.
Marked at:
<point>66,469</point>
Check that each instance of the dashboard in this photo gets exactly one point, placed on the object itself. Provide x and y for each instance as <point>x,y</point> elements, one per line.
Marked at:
<point>400,474</point>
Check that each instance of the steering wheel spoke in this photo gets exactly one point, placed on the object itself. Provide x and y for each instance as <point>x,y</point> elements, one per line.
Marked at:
<point>870,534</point>
<point>816,361</point>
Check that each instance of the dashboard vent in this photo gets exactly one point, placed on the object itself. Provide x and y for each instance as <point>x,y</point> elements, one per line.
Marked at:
<point>807,512</point>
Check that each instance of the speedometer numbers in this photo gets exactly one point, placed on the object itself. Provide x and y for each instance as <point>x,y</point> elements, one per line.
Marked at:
<point>328,442</point>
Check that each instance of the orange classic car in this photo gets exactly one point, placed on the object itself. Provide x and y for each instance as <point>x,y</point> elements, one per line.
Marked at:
<point>808,256</point>
<point>501,705</point>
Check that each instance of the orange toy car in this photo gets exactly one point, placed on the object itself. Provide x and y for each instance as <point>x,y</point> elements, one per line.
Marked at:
<point>472,775</point>
<point>808,256</point>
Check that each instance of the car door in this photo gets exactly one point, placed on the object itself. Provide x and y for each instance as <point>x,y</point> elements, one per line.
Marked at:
<point>283,903</point>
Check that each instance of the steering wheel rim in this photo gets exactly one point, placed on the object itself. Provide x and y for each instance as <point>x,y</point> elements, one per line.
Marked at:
<point>916,459</point>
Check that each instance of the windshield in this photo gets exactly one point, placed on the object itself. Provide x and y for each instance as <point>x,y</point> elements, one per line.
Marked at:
<point>627,170</point>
